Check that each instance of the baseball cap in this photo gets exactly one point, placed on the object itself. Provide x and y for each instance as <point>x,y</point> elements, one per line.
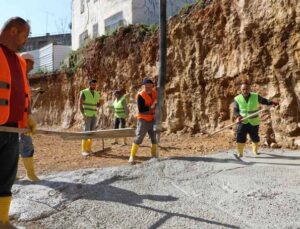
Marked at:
<point>146,80</point>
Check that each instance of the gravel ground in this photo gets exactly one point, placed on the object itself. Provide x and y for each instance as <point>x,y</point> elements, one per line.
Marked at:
<point>213,191</point>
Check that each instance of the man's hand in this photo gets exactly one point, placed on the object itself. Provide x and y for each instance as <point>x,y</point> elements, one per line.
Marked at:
<point>154,104</point>
<point>239,118</point>
<point>31,124</point>
<point>100,103</point>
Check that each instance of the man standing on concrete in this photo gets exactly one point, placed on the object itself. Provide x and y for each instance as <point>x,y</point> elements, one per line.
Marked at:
<point>26,146</point>
<point>146,101</point>
<point>89,102</point>
<point>246,104</point>
<point>14,105</point>
<point>120,112</point>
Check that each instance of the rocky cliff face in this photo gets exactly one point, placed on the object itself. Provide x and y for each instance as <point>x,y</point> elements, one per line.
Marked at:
<point>211,50</point>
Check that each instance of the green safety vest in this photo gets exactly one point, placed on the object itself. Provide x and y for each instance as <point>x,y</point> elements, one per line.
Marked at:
<point>119,108</point>
<point>90,102</point>
<point>248,108</point>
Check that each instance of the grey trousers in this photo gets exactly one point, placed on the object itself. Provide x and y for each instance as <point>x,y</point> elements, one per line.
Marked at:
<point>144,127</point>
<point>9,155</point>
<point>89,123</point>
<point>26,147</point>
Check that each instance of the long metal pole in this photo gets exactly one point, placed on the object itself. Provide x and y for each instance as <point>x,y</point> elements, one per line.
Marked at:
<point>162,66</point>
<point>232,124</point>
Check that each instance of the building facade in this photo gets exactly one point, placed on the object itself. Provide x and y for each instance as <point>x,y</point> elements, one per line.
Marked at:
<point>49,57</point>
<point>34,43</point>
<point>93,18</point>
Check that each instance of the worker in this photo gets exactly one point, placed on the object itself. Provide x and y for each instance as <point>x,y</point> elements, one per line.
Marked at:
<point>89,102</point>
<point>120,113</point>
<point>26,146</point>
<point>14,106</point>
<point>146,101</point>
<point>246,104</point>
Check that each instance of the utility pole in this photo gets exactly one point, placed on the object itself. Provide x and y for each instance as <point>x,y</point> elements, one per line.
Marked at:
<point>162,66</point>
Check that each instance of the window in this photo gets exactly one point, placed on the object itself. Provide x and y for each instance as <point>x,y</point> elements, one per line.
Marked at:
<point>82,6</point>
<point>95,30</point>
<point>114,22</point>
<point>83,37</point>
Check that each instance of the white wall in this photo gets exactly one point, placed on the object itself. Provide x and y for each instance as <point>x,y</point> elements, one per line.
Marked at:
<point>60,52</point>
<point>134,11</point>
<point>49,57</point>
<point>96,12</point>
<point>46,58</point>
<point>147,11</point>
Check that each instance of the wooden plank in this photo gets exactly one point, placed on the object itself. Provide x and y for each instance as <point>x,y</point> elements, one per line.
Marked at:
<point>108,133</point>
<point>121,133</point>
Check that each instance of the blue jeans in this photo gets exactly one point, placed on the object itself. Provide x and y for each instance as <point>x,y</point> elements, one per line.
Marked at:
<point>9,155</point>
<point>26,146</point>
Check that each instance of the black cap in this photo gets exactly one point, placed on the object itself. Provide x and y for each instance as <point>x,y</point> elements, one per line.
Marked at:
<point>92,81</point>
<point>146,80</point>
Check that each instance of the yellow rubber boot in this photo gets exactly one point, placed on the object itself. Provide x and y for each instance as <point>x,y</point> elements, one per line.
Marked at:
<point>28,164</point>
<point>255,148</point>
<point>154,150</point>
<point>83,145</point>
<point>134,149</point>
<point>4,209</point>
<point>240,149</point>
<point>84,150</point>
<point>89,145</point>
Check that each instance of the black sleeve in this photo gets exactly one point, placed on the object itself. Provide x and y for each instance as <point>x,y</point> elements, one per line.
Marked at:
<point>82,97</point>
<point>141,105</point>
<point>264,101</point>
<point>236,109</point>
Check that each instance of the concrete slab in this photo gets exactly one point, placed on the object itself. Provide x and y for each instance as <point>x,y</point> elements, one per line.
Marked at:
<point>216,191</point>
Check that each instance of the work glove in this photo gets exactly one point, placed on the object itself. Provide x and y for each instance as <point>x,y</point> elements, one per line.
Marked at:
<point>239,118</point>
<point>274,103</point>
<point>31,124</point>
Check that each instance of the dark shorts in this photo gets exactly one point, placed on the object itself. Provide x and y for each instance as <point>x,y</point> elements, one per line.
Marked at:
<point>243,130</point>
<point>119,121</point>
<point>9,155</point>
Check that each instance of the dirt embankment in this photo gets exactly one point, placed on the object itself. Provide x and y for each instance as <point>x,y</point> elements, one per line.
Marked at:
<point>211,51</point>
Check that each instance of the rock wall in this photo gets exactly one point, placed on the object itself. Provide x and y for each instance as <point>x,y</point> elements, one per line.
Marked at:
<point>211,50</point>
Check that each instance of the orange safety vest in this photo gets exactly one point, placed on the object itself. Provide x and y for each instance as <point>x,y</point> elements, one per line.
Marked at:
<point>149,116</point>
<point>5,90</point>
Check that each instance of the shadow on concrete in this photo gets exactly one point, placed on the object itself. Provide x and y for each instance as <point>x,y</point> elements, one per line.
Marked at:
<point>211,159</point>
<point>239,161</point>
<point>268,155</point>
<point>105,191</point>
